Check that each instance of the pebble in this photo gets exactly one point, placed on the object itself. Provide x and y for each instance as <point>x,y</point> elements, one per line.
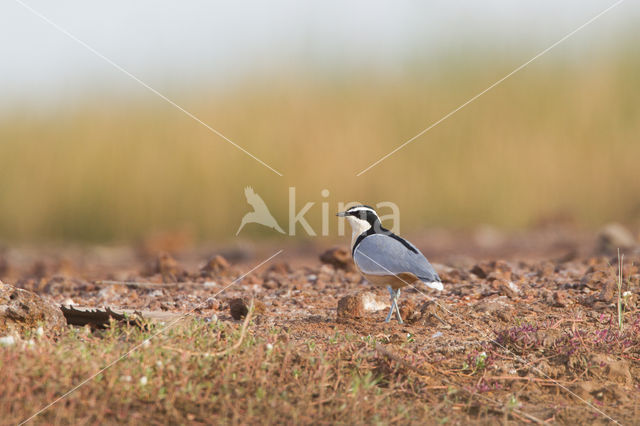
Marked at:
<point>7,341</point>
<point>156,293</point>
<point>210,284</point>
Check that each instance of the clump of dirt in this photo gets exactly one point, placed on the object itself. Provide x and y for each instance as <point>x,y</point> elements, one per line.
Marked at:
<point>167,267</point>
<point>239,308</point>
<point>350,307</point>
<point>214,267</point>
<point>339,258</point>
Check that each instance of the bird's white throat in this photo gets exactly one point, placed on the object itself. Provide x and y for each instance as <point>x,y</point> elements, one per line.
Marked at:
<point>358,226</point>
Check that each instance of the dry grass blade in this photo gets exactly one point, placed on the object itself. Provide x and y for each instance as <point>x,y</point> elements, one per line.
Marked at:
<point>384,352</point>
<point>393,357</point>
<point>235,346</point>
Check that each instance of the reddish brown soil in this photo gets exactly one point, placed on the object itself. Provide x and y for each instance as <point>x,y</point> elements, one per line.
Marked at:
<point>529,320</point>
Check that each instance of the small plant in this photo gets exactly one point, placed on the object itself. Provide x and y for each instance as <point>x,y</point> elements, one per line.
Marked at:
<point>478,362</point>
<point>513,403</point>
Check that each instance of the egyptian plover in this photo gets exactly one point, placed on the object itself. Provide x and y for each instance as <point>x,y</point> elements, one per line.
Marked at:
<point>386,259</point>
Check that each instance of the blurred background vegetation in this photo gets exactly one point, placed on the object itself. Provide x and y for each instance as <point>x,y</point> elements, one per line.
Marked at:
<point>559,138</point>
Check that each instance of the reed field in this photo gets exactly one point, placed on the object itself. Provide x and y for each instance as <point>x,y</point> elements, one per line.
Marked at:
<point>559,137</point>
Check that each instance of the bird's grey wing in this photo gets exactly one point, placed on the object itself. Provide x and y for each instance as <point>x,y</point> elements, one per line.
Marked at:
<point>380,254</point>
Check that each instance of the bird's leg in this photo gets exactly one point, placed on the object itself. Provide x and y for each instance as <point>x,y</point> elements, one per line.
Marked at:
<point>393,301</point>
<point>398,308</point>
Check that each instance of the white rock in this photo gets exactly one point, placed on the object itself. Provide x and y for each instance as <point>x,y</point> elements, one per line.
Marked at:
<point>143,380</point>
<point>210,284</point>
<point>7,341</point>
<point>514,287</point>
<point>40,331</point>
<point>156,293</point>
<point>371,303</point>
<point>436,335</point>
<point>68,302</point>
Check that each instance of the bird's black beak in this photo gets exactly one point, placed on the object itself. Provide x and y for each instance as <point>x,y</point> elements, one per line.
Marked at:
<point>341,214</point>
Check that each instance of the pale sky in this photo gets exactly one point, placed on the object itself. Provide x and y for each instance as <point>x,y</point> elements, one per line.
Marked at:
<point>171,44</point>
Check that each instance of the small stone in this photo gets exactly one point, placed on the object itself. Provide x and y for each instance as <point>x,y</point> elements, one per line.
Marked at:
<point>350,307</point>
<point>613,237</point>
<point>280,268</point>
<point>240,308</point>
<point>408,311</point>
<point>594,280</point>
<point>560,299</point>
<point>216,265</point>
<point>210,284</point>
<point>22,310</point>
<point>371,302</point>
<point>356,305</point>
<point>166,266</point>
<point>7,341</point>
<point>211,303</point>
<point>156,293</point>
<point>270,284</point>
<point>509,289</point>
<point>339,258</point>
<point>492,270</point>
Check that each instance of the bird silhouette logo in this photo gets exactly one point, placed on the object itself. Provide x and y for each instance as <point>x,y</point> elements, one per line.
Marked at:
<point>260,213</point>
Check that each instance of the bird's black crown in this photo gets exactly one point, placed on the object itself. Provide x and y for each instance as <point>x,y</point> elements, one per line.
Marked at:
<point>364,212</point>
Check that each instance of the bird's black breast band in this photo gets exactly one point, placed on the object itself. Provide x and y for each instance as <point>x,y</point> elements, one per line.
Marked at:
<point>371,231</point>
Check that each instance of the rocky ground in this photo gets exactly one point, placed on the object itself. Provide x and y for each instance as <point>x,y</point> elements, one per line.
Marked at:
<point>527,328</point>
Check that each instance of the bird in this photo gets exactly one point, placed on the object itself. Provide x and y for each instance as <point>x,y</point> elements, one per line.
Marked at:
<point>386,259</point>
<point>260,213</point>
